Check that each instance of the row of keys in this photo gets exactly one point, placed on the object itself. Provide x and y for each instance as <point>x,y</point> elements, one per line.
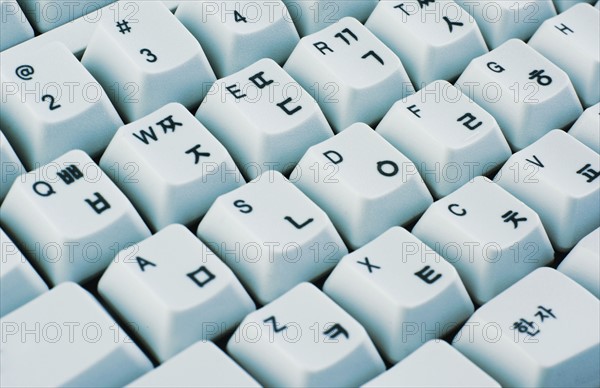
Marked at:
<point>505,82</point>
<point>332,173</point>
<point>532,334</point>
<point>496,20</point>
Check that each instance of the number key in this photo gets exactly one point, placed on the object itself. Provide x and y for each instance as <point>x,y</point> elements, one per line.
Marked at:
<point>52,106</point>
<point>145,58</point>
<point>237,34</point>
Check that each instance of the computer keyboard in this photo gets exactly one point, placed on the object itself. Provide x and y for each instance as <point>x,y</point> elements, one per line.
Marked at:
<point>300,193</point>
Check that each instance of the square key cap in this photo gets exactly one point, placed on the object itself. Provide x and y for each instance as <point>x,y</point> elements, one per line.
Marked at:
<point>363,183</point>
<point>450,138</point>
<point>173,289</point>
<point>401,291</point>
<point>303,339</point>
<point>526,93</point>
<point>65,338</point>
<point>435,39</point>
<point>541,332</point>
<point>237,34</point>
<point>70,219</point>
<point>51,104</point>
<point>147,59</point>
<point>264,118</point>
<point>559,178</point>
<point>491,237</point>
<point>271,235</point>
<point>170,166</point>
<point>351,73</point>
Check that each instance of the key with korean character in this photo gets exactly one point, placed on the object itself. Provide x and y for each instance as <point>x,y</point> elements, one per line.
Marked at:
<point>435,364</point>
<point>70,219</point>
<point>169,280</point>
<point>500,21</point>
<point>351,73</point>
<point>14,26</point>
<point>51,104</point>
<point>271,235</point>
<point>582,264</point>
<point>237,34</point>
<point>526,93</point>
<point>264,118</point>
<point>19,283</point>
<point>303,339</point>
<point>65,338</point>
<point>491,237</point>
<point>10,166</point>
<point>450,138</point>
<point>542,332</point>
<point>201,365</point>
<point>363,183</point>
<point>587,128</point>
<point>147,58</point>
<point>310,16</point>
<point>170,166</point>
<point>572,41</point>
<point>435,39</point>
<point>401,291</point>
<point>557,176</point>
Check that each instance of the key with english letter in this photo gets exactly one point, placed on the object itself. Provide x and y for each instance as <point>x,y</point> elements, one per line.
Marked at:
<point>70,219</point>
<point>304,339</point>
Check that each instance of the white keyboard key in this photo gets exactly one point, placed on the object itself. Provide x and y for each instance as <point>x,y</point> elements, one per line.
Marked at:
<point>168,281</point>
<point>14,26</point>
<point>170,166</point>
<point>351,73</point>
<point>10,166</point>
<point>572,41</point>
<point>65,338</point>
<point>582,264</point>
<point>449,137</point>
<point>19,283</point>
<point>435,364</point>
<point>500,21</point>
<point>271,235</point>
<point>491,237</point>
<point>527,94</point>
<point>201,365</point>
<point>303,339</point>
<point>587,128</point>
<point>77,33</point>
<point>563,5</point>
<point>52,106</point>
<point>264,117</point>
<point>557,176</point>
<point>401,303</point>
<point>48,14</point>
<point>311,16</point>
<point>541,332</point>
<point>436,40</point>
<point>237,34</point>
<point>70,219</point>
<point>147,59</point>
<point>363,183</point>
